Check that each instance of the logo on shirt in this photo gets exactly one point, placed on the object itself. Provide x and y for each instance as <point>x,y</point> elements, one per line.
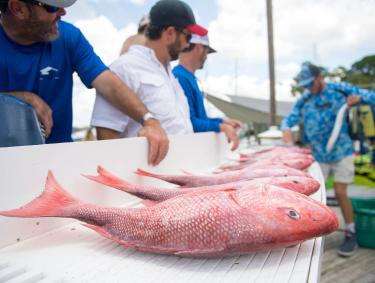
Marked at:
<point>49,72</point>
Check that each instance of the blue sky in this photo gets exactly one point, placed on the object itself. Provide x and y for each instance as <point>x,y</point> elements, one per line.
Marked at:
<point>330,33</point>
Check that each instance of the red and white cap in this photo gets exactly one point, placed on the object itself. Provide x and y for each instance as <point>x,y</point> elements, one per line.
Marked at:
<point>197,30</point>
<point>197,39</point>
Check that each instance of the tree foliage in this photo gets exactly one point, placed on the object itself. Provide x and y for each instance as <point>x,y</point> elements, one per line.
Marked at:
<point>361,74</point>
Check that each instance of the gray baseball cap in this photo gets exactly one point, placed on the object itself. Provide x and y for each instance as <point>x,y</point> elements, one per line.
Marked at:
<point>58,3</point>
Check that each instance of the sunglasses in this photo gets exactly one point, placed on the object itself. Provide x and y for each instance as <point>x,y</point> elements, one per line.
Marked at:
<point>186,33</point>
<point>309,86</point>
<point>48,8</point>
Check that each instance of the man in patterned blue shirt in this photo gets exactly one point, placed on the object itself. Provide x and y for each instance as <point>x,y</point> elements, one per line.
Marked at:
<point>318,108</point>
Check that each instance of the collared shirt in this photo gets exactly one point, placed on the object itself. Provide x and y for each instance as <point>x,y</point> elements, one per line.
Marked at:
<point>46,68</point>
<point>201,122</point>
<point>318,113</point>
<point>156,87</point>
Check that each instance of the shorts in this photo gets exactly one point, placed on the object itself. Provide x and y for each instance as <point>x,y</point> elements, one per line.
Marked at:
<point>342,170</point>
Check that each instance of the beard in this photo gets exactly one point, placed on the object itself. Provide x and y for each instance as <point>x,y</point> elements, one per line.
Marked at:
<point>174,49</point>
<point>41,31</point>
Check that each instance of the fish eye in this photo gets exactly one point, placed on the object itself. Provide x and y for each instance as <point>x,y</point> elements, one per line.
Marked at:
<point>293,214</point>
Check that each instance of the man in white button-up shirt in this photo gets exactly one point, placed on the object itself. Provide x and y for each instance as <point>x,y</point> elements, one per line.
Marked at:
<point>146,70</point>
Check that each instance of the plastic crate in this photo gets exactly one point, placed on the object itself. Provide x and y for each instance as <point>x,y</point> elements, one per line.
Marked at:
<point>364,214</point>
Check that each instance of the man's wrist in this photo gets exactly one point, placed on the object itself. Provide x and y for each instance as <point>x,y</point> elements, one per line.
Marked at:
<point>145,117</point>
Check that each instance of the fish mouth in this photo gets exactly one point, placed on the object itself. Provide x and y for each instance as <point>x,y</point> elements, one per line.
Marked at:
<point>330,219</point>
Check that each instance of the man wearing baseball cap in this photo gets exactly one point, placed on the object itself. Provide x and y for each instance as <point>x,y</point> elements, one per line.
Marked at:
<point>191,59</point>
<point>39,54</point>
<point>146,69</point>
<point>138,38</point>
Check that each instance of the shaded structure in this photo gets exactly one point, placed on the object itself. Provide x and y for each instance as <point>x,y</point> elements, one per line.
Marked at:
<point>249,110</point>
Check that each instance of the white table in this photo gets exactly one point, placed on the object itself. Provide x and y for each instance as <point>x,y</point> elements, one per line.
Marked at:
<point>54,250</point>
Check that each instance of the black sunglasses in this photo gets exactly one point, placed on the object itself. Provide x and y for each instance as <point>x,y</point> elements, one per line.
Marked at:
<point>185,33</point>
<point>48,8</point>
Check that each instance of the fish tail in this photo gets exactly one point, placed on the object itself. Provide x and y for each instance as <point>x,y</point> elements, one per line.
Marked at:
<point>110,180</point>
<point>52,202</point>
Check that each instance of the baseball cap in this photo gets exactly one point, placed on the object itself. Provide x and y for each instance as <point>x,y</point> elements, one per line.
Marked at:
<point>58,3</point>
<point>198,39</point>
<point>175,13</point>
<point>307,74</point>
<point>145,20</point>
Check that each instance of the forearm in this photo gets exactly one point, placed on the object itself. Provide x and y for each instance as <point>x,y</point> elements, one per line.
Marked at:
<point>106,134</point>
<point>119,95</point>
<point>205,125</point>
<point>24,95</point>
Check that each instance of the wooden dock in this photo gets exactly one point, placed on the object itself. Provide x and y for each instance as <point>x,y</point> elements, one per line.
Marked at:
<point>359,268</point>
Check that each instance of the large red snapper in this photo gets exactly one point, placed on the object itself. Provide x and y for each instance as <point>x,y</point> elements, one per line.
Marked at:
<point>213,223</point>
<point>228,176</point>
<point>296,163</point>
<point>302,185</point>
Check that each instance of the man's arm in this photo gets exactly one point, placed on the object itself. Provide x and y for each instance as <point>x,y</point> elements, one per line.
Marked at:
<point>231,134</point>
<point>119,95</point>
<point>42,110</point>
<point>293,118</point>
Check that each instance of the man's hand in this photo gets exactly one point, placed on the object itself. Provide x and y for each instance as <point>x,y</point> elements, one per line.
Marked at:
<point>112,88</point>
<point>231,134</point>
<point>234,123</point>
<point>287,137</point>
<point>157,139</point>
<point>352,100</point>
<point>44,113</point>
<point>42,110</point>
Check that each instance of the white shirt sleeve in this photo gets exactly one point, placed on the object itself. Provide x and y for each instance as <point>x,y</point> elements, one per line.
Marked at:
<point>105,114</point>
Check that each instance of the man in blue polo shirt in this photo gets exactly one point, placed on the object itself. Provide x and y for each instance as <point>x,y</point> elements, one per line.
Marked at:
<point>38,55</point>
<point>190,60</point>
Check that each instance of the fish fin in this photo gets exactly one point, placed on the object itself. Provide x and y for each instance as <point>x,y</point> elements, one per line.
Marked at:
<point>110,180</point>
<point>100,230</point>
<point>202,252</point>
<point>52,202</point>
<point>148,202</point>
<point>145,173</point>
<point>186,172</point>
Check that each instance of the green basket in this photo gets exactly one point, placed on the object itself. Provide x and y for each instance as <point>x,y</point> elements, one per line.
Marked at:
<point>364,214</point>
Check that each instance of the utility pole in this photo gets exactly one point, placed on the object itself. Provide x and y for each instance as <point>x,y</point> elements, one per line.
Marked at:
<point>271,62</point>
<point>235,75</point>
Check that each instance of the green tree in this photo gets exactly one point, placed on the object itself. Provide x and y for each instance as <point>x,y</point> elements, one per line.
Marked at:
<point>361,74</point>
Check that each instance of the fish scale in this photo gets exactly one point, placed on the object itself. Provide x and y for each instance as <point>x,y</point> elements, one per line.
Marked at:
<point>227,177</point>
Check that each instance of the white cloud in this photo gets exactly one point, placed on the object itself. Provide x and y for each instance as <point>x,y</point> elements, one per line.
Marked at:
<point>104,37</point>
<point>246,86</point>
<point>338,26</point>
<point>138,2</point>
<point>331,33</point>
<point>107,41</point>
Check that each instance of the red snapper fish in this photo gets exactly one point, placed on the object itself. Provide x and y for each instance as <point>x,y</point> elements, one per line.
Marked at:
<point>227,176</point>
<point>302,185</point>
<point>296,163</point>
<point>208,224</point>
<point>278,150</point>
